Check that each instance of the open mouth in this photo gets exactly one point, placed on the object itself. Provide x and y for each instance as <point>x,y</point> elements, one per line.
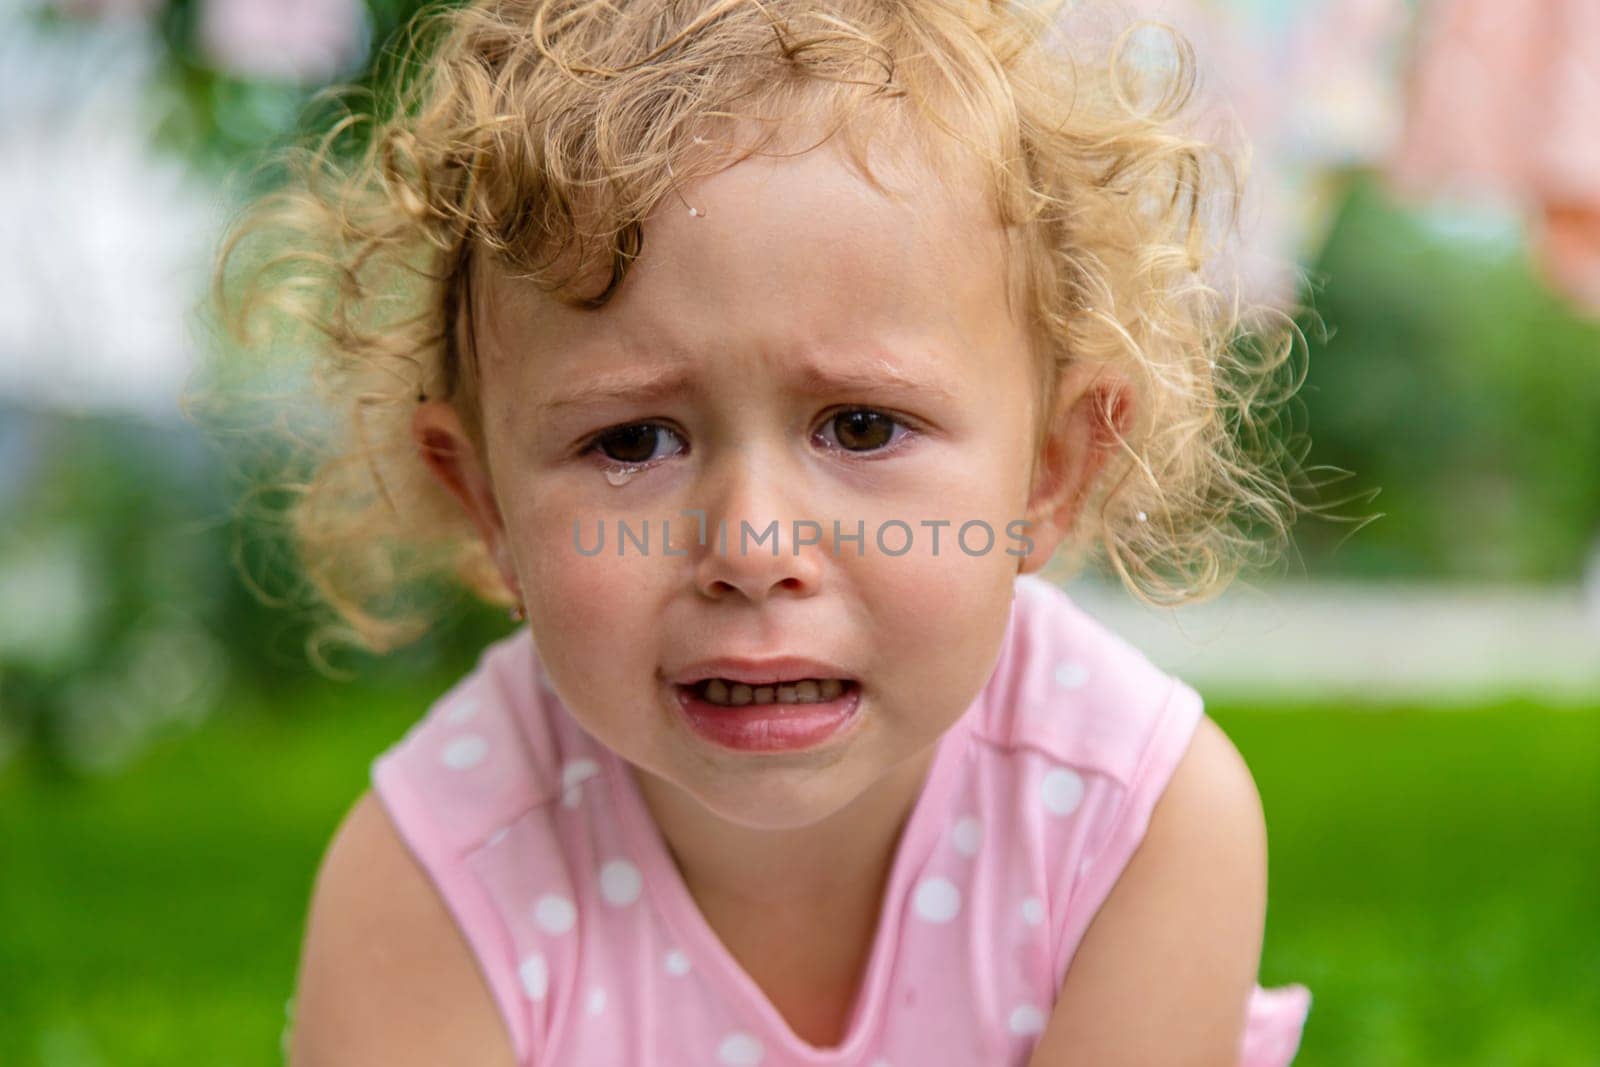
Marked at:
<point>771,715</point>
<point>732,694</point>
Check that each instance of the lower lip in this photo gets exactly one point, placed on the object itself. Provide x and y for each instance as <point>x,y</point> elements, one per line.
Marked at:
<point>768,727</point>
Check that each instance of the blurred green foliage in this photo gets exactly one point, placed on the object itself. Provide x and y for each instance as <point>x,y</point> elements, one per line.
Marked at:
<point>126,555</point>
<point>1433,881</point>
<point>1457,384</point>
<point>219,120</point>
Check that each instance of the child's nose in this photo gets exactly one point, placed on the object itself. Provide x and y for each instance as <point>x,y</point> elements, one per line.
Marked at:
<point>757,574</point>
<point>759,539</point>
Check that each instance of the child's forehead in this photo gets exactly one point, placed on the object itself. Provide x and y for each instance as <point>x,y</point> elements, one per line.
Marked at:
<point>779,234</point>
<point>896,216</point>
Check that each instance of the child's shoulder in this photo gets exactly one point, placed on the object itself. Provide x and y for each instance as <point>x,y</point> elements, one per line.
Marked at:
<point>473,790</point>
<point>1078,694</point>
<point>385,975</point>
<point>484,754</point>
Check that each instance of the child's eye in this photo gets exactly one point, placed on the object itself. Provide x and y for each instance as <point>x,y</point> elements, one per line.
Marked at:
<point>862,430</point>
<point>638,444</point>
<point>635,444</point>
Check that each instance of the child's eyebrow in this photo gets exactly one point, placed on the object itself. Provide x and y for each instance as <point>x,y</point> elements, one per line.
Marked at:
<point>813,378</point>
<point>642,386</point>
<point>630,385</point>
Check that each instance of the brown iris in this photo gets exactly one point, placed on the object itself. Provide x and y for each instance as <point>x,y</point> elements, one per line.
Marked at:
<point>863,431</point>
<point>630,444</point>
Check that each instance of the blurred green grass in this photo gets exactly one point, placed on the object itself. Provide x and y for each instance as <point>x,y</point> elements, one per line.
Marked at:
<point>1435,881</point>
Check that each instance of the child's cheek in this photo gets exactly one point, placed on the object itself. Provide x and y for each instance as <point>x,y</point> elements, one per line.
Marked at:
<point>581,583</point>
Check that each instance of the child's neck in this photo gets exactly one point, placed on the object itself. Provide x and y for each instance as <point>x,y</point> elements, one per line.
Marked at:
<point>798,909</point>
<point>840,862</point>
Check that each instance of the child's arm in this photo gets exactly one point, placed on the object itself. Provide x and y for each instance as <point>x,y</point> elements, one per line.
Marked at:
<point>386,979</point>
<point>1163,975</point>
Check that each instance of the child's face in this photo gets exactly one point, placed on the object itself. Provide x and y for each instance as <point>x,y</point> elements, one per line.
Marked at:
<point>796,296</point>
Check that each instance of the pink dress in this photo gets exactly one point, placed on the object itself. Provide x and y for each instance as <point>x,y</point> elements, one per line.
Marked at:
<point>545,853</point>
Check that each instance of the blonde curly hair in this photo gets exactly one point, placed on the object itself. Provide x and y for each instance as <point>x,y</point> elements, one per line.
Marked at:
<point>540,134</point>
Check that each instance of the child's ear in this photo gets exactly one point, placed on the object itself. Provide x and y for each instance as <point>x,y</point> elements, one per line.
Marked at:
<point>1093,408</point>
<point>447,450</point>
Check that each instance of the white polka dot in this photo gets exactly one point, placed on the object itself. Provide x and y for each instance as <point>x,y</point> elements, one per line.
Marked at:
<point>1062,790</point>
<point>619,882</point>
<point>1026,1019</point>
<point>499,835</point>
<point>1032,911</point>
<point>1072,675</point>
<point>463,709</point>
<point>465,751</point>
<point>677,963</point>
<point>573,775</point>
<point>555,914</point>
<point>740,1050</point>
<point>937,900</point>
<point>578,771</point>
<point>597,1001</point>
<point>535,974</point>
<point>967,836</point>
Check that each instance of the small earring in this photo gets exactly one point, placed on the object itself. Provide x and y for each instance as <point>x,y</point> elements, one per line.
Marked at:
<point>518,613</point>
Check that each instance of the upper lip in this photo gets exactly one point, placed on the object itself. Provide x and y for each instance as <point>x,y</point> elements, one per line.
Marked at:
<point>758,671</point>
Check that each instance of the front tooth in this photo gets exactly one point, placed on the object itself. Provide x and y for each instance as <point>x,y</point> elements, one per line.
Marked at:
<point>717,691</point>
<point>806,691</point>
<point>763,694</point>
<point>739,694</point>
<point>832,688</point>
<point>786,694</point>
